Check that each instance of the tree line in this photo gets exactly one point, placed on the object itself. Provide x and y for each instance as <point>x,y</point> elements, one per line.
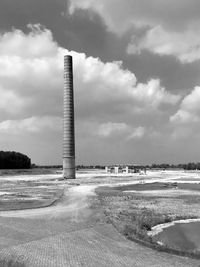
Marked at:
<point>14,160</point>
<point>164,166</point>
<point>186,166</point>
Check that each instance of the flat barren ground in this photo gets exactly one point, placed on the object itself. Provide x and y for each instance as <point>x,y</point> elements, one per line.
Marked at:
<point>47,221</point>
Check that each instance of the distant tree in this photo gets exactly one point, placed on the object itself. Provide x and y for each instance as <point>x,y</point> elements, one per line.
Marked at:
<point>14,160</point>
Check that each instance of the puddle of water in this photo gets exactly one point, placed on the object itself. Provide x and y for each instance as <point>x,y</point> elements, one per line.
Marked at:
<point>181,236</point>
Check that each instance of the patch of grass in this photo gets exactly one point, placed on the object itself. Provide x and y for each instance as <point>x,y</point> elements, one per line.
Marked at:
<point>134,214</point>
<point>144,187</point>
<point>157,186</point>
<point>135,223</point>
<point>190,199</point>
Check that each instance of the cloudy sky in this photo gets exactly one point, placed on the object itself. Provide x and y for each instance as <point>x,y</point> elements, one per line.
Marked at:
<point>136,78</point>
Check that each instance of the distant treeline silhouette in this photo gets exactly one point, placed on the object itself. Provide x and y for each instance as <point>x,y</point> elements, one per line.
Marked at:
<point>14,160</point>
<point>163,166</point>
<point>186,166</point>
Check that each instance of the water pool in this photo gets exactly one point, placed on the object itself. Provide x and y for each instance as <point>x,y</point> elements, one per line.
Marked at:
<point>181,236</point>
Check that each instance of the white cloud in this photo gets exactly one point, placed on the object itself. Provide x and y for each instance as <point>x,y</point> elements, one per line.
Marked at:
<point>31,125</point>
<point>30,73</point>
<point>10,102</point>
<point>137,133</point>
<point>107,86</point>
<point>32,79</point>
<point>189,111</point>
<point>183,45</point>
<point>37,44</point>
<point>31,87</point>
<point>185,122</point>
<point>152,93</point>
<point>110,129</point>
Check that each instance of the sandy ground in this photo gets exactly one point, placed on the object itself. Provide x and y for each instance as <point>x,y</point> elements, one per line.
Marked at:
<point>75,197</point>
<point>73,213</point>
<point>73,201</point>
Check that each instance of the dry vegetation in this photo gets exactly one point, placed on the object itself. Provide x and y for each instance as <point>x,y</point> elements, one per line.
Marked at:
<point>135,213</point>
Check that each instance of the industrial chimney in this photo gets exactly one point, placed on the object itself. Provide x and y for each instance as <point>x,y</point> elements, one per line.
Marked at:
<point>68,121</point>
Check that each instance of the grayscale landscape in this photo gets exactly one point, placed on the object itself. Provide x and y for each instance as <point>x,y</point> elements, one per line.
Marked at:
<point>99,133</point>
<point>48,221</point>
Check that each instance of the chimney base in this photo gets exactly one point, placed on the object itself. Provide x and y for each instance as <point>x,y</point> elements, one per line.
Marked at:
<point>69,168</point>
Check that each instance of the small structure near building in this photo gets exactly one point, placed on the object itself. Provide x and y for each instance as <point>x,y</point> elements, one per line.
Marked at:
<point>117,169</point>
<point>125,169</point>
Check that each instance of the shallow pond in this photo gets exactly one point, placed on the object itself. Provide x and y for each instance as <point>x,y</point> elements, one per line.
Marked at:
<point>181,236</point>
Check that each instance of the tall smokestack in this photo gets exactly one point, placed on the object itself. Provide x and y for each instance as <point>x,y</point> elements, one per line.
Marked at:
<point>68,121</point>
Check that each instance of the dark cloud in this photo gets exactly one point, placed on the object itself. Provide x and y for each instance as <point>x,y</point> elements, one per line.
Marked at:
<point>19,13</point>
<point>119,14</point>
<point>83,32</point>
<point>174,75</point>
